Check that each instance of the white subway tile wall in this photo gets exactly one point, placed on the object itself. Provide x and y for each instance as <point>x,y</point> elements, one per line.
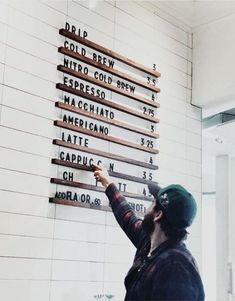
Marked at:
<point>52,252</point>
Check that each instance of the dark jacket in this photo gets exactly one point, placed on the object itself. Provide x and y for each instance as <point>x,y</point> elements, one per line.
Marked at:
<point>169,274</point>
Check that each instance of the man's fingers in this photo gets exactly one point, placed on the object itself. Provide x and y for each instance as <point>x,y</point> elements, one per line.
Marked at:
<point>97,173</point>
<point>96,167</point>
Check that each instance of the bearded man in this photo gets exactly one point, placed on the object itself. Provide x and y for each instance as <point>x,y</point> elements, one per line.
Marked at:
<point>163,268</point>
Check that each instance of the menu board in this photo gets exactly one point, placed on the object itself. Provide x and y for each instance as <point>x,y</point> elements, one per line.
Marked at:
<point>107,114</point>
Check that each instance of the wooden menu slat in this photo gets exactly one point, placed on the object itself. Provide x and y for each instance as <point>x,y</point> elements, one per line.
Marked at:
<point>106,102</point>
<point>121,124</point>
<point>84,205</point>
<point>91,62</point>
<point>104,137</point>
<point>104,154</point>
<point>110,87</point>
<point>108,52</point>
<point>111,173</point>
<point>97,188</point>
<point>79,204</point>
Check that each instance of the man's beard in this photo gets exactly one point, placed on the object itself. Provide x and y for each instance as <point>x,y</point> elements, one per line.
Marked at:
<point>148,223</point>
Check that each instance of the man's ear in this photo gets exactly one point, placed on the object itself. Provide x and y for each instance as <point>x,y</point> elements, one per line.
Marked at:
<point>158,216</point>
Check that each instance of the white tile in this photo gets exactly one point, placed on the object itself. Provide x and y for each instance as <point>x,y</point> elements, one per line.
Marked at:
<point>29,83</point>
<point>29,103</point>
<point>32,65</point>
<point>135,10</point>
<point>24,204</point>
<point>17,224</point>
<point>172,148</point>
<point>172,118</point>
<point>75,270</point>
<point>172,74</point>
<point>194,112</point>
<point>16,246</point>
<point>88,17</point>
<point>26,163</point>
<point>76,250</point>
<point>78,231</point>
<point>173,163</point>
<point>33,46</point>
<point>80,214</point>
<point>172,133</point>
<point>173,89</point>
<point>102,8</point>
<point>115,235</point>
<point>115,289</point>
<point>2,66</point>
<point>4,12</point>
<point>171,30</point>
<point>37,28</point>
<point>25,183</point>
<point>119,254</point>
<point>29,123</point>
<point>60,6</point>
<point>75,290</point>
<point>194,184</point>
<point>120,271</point>
<point>194,169</point>
<point>194,154</point>
<point>28,290</point>
<point>15,139</point>
<point>194,126</point>
<point>41,12</point>
<point>194,140</point>
<point>19,268</point>
<point>1,89</point>
<point>2,52</point>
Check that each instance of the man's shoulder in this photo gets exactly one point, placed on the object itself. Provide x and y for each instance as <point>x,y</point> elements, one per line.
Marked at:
<point>180,255</point>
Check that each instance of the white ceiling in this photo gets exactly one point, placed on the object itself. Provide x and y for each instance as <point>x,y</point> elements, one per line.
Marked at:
<point>195,13</point>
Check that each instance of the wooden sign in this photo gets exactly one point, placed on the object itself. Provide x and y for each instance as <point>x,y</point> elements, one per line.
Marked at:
<point>107,113</point>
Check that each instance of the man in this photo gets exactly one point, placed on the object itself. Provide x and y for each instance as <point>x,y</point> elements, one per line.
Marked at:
<point>163,268</point>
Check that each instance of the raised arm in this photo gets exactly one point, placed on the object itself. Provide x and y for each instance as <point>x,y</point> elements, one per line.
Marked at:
<point>123,212</point>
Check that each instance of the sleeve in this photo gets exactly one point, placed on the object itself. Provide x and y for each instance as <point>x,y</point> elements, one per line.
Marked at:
<point>175,282</point>
<point>124,214</point>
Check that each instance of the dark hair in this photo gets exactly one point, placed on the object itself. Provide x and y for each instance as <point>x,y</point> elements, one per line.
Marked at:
<point>173,233</point>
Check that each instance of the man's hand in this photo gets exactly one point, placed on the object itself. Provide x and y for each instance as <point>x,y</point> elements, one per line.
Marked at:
<point>101,174</point>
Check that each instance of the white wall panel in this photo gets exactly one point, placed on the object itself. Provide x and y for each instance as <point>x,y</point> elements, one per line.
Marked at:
<point>88,17</point>
<point>24,203</point>
<point>17,224</point>
<point>75,290</point>
<point>32,45</point>
<point>16,246</point>
<point>29,83</point>
<point>22,182</point>
<point>30,64</point>
<point>27,163</point>
<point>4,12</point>
<point>19,268</point>
<point>26,122</point>
<point>102,8</point>
<point>29,103</point>
<point>16,139</point>
<point>82,251</point>
<point>40,11</point>
<point>77,270</point>
<point>78,231</point>
<point>1,73</point>
<point>28,290</point>
<point>37,29</point>
<point>2,52</point>
<point>60,6</point>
